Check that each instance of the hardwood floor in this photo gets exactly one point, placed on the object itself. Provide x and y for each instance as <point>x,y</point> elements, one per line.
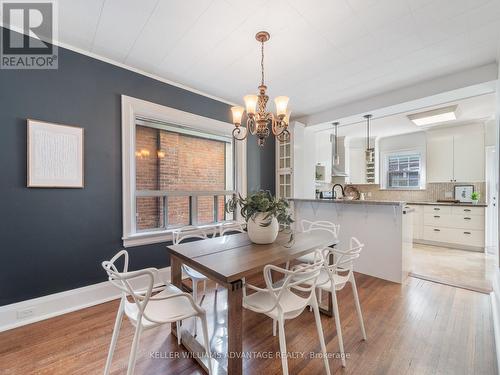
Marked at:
<point>467,269</point>
<point>416,328</point>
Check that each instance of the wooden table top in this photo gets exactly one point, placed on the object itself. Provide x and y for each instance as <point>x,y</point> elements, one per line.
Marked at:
<point>230,258</point>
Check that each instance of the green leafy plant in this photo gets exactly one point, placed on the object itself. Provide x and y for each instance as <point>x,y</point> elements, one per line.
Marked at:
<point>475,196</point>
<point>263,202</point>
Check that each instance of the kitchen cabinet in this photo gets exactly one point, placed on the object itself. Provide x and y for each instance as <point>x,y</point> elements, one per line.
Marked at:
<point>451,226</point>
<point>456,154</point>
<point>439,158</point>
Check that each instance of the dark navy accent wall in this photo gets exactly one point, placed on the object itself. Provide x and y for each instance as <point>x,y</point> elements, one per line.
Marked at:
<point>53,240</point>
<point>260,165</point>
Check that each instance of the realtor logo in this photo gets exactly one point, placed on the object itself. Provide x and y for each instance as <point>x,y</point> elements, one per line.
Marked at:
<point>27,35</point>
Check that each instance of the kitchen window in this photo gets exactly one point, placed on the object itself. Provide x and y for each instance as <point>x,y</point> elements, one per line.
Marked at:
<point>178,169</point>
<point>403,171</point>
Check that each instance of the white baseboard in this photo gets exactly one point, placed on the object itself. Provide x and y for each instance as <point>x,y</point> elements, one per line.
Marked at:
<point>37,309</point>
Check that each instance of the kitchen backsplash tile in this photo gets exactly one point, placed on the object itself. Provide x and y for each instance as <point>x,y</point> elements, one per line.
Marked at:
<point>432,193</point>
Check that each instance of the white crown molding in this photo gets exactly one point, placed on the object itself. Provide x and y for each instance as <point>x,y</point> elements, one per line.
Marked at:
<point>68,301</point>
<point>130,68</point>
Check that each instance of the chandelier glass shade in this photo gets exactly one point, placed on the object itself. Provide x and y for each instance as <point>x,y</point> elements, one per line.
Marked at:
<point>258,118</point>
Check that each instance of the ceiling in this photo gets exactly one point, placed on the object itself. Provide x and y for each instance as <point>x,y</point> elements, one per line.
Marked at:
<point>471,110</point>
<point>322,53</point>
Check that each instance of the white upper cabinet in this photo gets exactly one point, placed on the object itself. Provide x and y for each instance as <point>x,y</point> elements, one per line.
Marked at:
<point>439,158</point>
<point>469,157</point>
<point>456,154</point>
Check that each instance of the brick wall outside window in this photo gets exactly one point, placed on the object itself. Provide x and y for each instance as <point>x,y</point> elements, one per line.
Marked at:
<point>189,164</point>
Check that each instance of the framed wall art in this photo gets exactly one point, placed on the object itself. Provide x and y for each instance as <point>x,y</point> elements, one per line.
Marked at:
<point>463,193</point>
<point>55,155</point>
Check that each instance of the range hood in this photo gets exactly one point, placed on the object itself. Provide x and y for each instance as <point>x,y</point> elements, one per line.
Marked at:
<point>338,162</point>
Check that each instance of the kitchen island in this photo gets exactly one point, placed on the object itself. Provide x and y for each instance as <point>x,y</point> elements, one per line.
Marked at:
<point>385,227</point>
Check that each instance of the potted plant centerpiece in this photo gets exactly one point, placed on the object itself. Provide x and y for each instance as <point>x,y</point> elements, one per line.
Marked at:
<point>264,214</point>
<point>474,197</point>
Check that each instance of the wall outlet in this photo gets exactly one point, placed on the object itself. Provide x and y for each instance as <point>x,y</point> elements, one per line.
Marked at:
<point>448,195</point>
<point>25,314</point>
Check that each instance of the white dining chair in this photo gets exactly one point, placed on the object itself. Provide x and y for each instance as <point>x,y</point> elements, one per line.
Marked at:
<point>281,303</point>
<point>145,310</point>
<point>308,226</point>
<point>334,277</point>
<point>230,227</point>
<point>183,234</point>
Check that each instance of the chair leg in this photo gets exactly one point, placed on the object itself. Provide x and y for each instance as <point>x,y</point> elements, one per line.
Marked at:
<point>135,345</point>
<point>283,353</point>
<point>206,342</point>
<point>358,306</point>
<point>178,324</point>
<point>287,266</point>
<point>204,286</point>
<point>195,297</point>
<point>337,325</point>
<point>321,336</point>
<point>114,339</point>
<point>275,322</point>
<point>320,296</point>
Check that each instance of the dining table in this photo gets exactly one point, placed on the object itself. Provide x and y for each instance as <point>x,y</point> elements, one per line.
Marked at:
<point>229,260</point>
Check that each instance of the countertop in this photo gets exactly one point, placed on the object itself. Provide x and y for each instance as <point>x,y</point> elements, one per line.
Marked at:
<point>448,204</point>
<point>351,201</point>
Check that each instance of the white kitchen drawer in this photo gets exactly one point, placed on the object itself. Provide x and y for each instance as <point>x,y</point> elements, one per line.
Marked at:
<point>461,237</point>
<point>439,219</point>
<point>474,222</point>
<point>438,234</point>
<point>472,211</point>
<point>469,237</point>
<point>443,210</point>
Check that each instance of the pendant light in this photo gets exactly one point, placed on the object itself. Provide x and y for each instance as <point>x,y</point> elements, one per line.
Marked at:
<point>368,118</point>
<point>335,145</point>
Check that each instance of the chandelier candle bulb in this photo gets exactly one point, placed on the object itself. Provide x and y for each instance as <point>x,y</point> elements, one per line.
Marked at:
<point>237,115</point>
<point>251,104</point>
<point>281,104</point>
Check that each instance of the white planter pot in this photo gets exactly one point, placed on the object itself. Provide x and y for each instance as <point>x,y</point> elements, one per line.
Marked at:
<point>259,234</point>
<point>475,201</point>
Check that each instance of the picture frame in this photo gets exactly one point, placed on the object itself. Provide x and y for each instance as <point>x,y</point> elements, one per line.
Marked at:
<point>55,155</point>
<point>463,193</point>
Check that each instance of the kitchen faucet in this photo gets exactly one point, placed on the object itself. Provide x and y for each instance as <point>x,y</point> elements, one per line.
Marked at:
<point>334,193</point>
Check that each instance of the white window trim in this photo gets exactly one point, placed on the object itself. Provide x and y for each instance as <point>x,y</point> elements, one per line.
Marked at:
<point>132,108</point>
<point>384,156</point>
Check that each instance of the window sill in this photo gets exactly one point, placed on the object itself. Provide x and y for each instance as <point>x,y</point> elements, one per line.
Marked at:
<point>148,238</point>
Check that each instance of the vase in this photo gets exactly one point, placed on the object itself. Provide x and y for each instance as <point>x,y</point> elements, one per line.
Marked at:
<point>475,201</point>
<point>262,234</point>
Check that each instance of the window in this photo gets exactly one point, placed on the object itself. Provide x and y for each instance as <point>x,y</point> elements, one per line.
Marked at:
<point>181,179</point>
<point>404,171</point>
<point>179,170</point>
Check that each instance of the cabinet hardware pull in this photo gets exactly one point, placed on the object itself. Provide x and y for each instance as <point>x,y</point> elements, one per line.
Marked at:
<point>466,210</point>
<point>437,217</point>
<point>467,232</point>
<point>437,230</point>
<point>467,218</point>
<point>436,209</point>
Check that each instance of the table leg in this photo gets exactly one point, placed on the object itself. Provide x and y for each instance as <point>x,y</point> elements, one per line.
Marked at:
<point>235,328</point>
<point>329,310</point>
<point>176,277</point>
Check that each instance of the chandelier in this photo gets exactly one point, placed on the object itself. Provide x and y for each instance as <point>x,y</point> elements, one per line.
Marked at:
<point>258,119</point>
